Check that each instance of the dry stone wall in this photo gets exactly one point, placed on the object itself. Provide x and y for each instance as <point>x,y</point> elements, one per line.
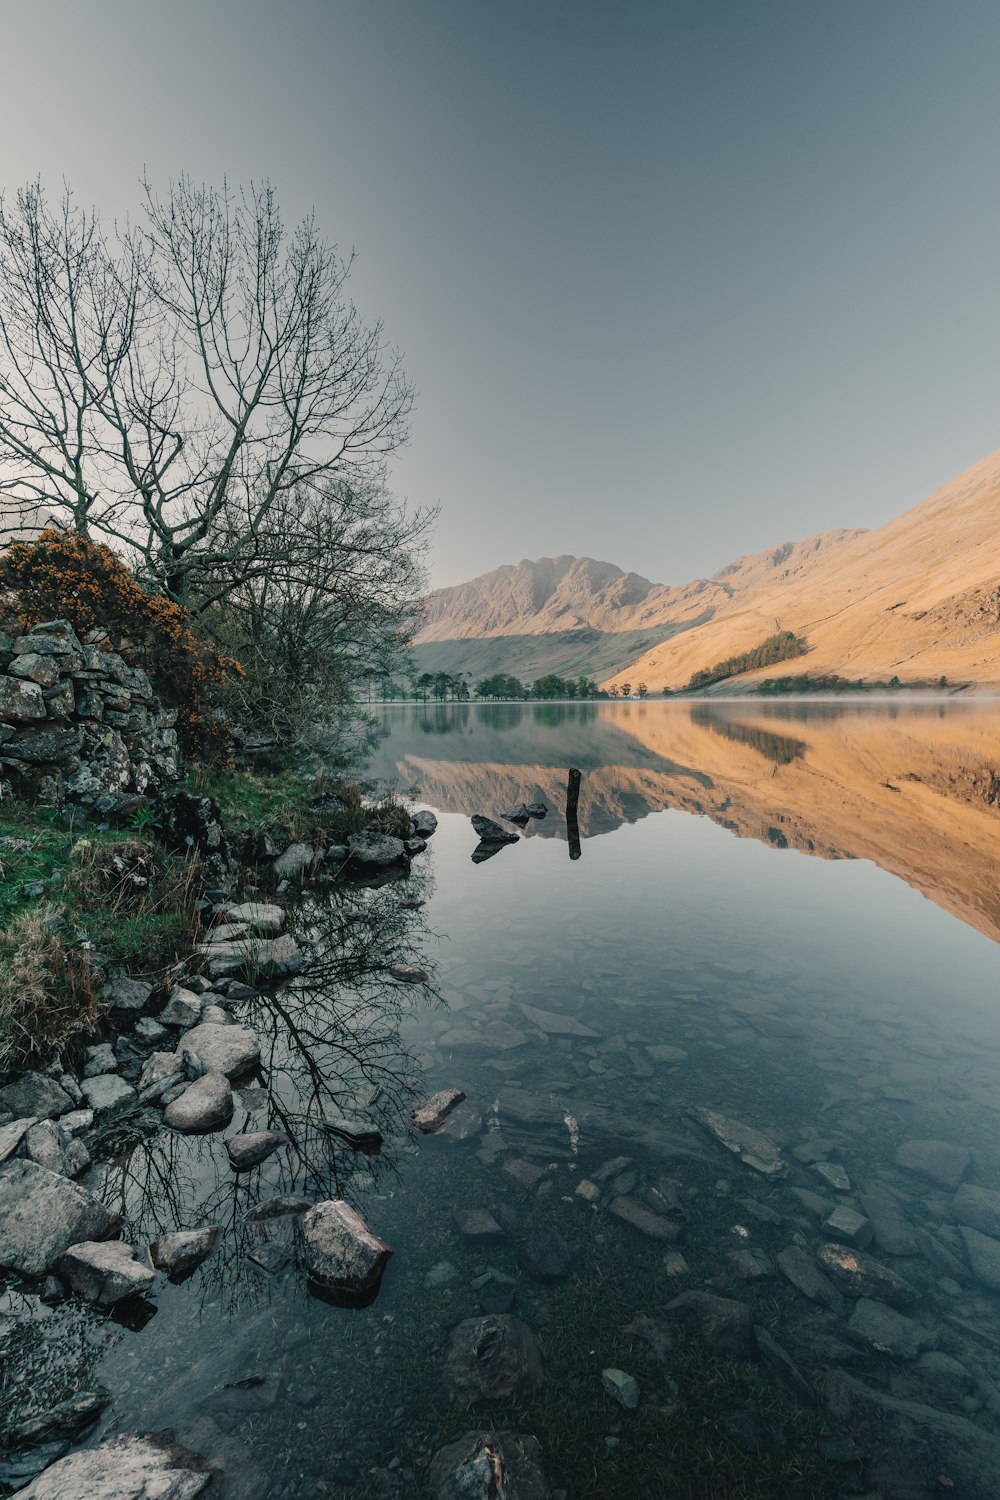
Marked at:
<point>78,723</point>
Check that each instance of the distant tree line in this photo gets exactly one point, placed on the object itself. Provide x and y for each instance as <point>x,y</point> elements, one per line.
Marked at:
<point>780,647</point>
<point>504,685</point>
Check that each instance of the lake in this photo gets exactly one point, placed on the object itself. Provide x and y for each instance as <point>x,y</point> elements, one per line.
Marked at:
<point>741,1007</point>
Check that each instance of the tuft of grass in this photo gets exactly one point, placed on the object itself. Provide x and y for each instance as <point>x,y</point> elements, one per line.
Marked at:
<point>293,808</point>
<point>47,993</point>
<point>134,905</point>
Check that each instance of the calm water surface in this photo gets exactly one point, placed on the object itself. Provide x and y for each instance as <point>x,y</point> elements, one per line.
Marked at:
<point>787,914</point>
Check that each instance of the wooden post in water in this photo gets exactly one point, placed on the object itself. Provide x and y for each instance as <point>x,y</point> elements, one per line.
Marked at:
<point>572,823</point>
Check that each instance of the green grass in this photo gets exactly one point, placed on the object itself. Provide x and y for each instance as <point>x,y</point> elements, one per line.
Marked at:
<point>292,807</point>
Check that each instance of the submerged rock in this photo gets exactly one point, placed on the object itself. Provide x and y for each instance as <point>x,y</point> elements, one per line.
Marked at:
<point>478,1226</point>
<point>752,1146</point>
<point>253,1147</point>
<point>984,1257</point>
<point>206,1104</point>
<point>861,1275</point>
<point>545,1256</point>
<point>104,1272</point>
<point>431,1115</point>
<point>889,1332</point>
<point>554,1024</point>
<point>180,1253</point>
<point>489,1466</point>
<point>799,1267</point>
<point>42,1214</point>
<point>342,1253</point>
<point>942,1161</point>
<point>621,1387</point>
<point>133,1466</point>
<point>360,1135</point>
<point>978,1208</point>
<point>653,1226</point>
<point>492,1358</point>
<point>721,1324</point>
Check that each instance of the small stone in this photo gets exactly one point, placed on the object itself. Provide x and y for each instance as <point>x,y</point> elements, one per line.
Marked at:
<point>848,1226</point>
<point>432,1113</point>
<point>834,1174</point>
<point>107,1093</point>
<point>478,1226</point>
<point>942,1161</point>
<point>250,1149</point>
<point>295,861</point>
<point>653,1226</point>
<point>488,1466</point>
<point>149,1031</point>
<point>675,1265</point>
<point>182,1009</point>
<point>104,1272</point>
<point>492,1358</point>
<point>99,1059</point>
<point>799,1267</point>
<point>555,1024</point>
<point>180,1253</point>
<point>360,1135</point>
<point>621,1387</point>
<point>441,1274</point>
<point>587,1190</point>
<point>752,1146</point>
<point>129,995</point>
<point>409,974</point>
<point>77,1122</point>
<point>527,1175</point>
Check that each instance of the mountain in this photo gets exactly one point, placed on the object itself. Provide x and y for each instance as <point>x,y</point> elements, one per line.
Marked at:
<point>575,615</point>
<point>918,598</point>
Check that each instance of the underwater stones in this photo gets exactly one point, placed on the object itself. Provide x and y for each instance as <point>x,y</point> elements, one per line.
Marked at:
<point>526,1174</point>
<point>554,1024</point>
<point>978,1208</point>
<point>478,1226</point>
<point>941,1161</point>
<point>721,1324</point>
<point>545,1256</point>
<point>432,1113</point>
<point>42,1213</point>
<point>34,1094</point>
<point>848,1226</point>
<point>211,1048</point>
<point>653,1226</point>
<point>799,1267</point>
<point>104,1272</point>
<point>181,1252</point>
<point>490,832</point>
<point>487,1465</point>
<point>131,1466</point>
<point>342,1254</point>
<point>206,1104</point>
<point>360,1135</point>
<point>464,1123</point>
<point>409,974</point>
<point>984,1257</point>
<point>883,1329</point>
<point>862,1276</point>
<point>654,1332</point>
<point>621,1387</point>
<point>834,1175</point>
<point>255,1146</point>
<point>892,1231</point>
<point>752,1146</point>
<point>492,1358</point>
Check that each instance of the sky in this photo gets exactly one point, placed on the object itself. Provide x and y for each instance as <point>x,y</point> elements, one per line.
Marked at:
<point>674,281</point>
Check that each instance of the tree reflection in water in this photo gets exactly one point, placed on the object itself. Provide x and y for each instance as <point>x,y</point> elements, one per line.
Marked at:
<point>330,1047</point>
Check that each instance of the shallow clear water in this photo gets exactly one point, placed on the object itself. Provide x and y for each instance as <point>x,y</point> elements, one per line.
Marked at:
<point>787,914</point>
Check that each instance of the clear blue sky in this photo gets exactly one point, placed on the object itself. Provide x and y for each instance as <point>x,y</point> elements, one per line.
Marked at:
<point>674,280</point>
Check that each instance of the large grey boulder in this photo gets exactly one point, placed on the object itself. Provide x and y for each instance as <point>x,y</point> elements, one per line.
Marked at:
<point>180,1253</point>
<point>752,1146</point>
<point>42,1214</point>
<point>878,1326</point>
<point>943,1162</point>
<point>206,1104</point>
<point>341,1252</point>
<point>487,1465</point>
<point>34,1094</point>
<point>104,1272</point>
<point>134,1466</point>
<point>369,851</point>
<point>182,1009</point>
<point>211,1048</point>
<point>43,1144</point>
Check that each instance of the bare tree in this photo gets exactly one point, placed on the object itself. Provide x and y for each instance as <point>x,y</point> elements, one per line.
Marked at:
<point>175,386</point>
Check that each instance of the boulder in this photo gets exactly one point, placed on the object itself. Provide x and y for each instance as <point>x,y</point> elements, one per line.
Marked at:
<point>848,1226</point>
<point>488,1465</point>
<point>984,1257</point>
<point>295,861</point>
<point>42,1214</point>
<point>12,1135</point>
<point>491,833</point>
<point>133,1466</point>
<point>886,1331</point>
<point>210,1048</point>
<point>492,1358</point>
<point>409,974</point>
<point>360,1135</point>
<point>261,917</point>
<point>861,1275</point>
<point>43,1144</point>
<point>205,1105</point>
<point>341,1252</point>
<point>182,1009</point>
<point>554,1023</point>
<point>107,1093</point>
<point>34,1094</point>
<point>423,823</point>
<point>130,995</point>
<point>478,1226</point>
<point>978,1208</point>
<point>536,809</point>
<point>99,1059</point>
<point>34,667</point>
<point>519,814</point>
<point>721,1325</point>
<point>249,1150</point>
<point>180,1253</point>
<point>371,852</point>
<point>104,1272</point>
<point>942,1162</point>
<point>432,1113</point>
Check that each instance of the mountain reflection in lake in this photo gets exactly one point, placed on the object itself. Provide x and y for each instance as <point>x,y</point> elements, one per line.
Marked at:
<point>807,980</point>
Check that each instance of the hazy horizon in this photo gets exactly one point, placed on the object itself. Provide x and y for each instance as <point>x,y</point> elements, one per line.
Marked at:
<point>674,284</point>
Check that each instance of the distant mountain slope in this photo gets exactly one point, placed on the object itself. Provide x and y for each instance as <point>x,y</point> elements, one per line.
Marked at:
<point>574,614</point>
<point>919,598</point>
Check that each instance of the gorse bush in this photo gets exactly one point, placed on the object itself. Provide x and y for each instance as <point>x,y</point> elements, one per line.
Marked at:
<point>59,575</point>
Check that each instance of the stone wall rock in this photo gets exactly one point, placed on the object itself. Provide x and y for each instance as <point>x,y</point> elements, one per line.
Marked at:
<point>79,723</point>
